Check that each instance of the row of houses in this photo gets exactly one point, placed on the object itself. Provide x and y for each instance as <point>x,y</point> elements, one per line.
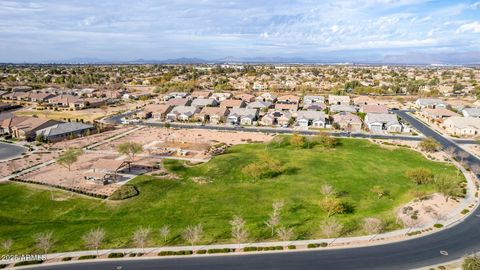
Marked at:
<point>29,128</point>
<point>62,100</point>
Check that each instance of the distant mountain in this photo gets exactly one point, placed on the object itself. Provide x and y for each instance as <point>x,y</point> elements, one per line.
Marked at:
<point>461,58</point>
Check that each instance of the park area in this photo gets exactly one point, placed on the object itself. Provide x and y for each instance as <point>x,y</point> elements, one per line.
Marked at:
<point>358,178</point>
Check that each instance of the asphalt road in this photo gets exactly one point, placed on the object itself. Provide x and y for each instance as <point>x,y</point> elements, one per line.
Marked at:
<point>457,241</point>
<point>8,150</point>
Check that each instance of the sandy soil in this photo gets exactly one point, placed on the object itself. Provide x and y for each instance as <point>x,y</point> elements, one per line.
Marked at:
<point>432,209</point>
<point>84,141</point>
<point>393,144</point>
<point>23,162</point>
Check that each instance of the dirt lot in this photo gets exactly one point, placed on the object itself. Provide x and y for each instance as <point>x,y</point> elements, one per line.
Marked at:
<point>25,161</point>
<point>84,141</point>
<point>57,175</point>
<point>192,139</point>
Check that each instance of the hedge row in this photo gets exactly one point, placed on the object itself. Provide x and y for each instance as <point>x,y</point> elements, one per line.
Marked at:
<point>87,257</point>
<point>116,255</point>
<point>316,245</point>
<point>220,250</point>
<point>248,249</point>
<point>135,254</point>
<point>174,253</point>
<point>60,187</point>
<point>23,263</point>
<point>65,259</point>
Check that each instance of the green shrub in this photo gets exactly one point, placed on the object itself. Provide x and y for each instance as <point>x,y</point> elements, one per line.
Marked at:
<point>313,245</point>
<point>124,192</point>
<point>438,225</point>
<point>220,250</point>
<point>23,263</point>
<point>66,259</point>
<point>323,244</point>
<point>292,247</point>
<point>248,249</point>
<point>465,211</point>
<point>166,253</point>
<point>116,255</point>
<point>87,257</point>
<point>201,251</point>
<point>471,263</point>
<point>3,266</point>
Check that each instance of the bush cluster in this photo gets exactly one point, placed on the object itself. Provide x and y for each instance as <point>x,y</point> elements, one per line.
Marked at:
<point>220,250</point>
<point>116,255</point>
<point>175,253</point>
<point>87,257</point>
<point>23,263</point>
<point>66,259</point>
<point>124,192</point>
<point>60,187</point>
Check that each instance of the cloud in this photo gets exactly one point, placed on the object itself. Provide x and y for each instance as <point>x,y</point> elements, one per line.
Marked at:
<point>473,27</point>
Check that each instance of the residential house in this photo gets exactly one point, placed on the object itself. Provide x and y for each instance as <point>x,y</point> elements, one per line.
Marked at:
<point>182,113</point>
<point>348,121</point>
<point>373,109</point>
<point>383,122</point>
<point>25,127</point>
<point>338,100</point>
<point>313,99</point>
<point>179,102</point>
<point>437,113</point>
<point>172,95</point>
<point>260,105</point>
<point>156,111</point>
<point>275,117</point>
<point>471,112</point>
<point>315,107</point>
<point>63,100</point>
<point>364,100</point>
<point>242,116</point>
<point>286,107</point>
<point>204,102</point>
<point>232,103</point>
<point>430,103</point>
<point>40,97</point>
<point>200,94</point>
<point>221,96</point>
<point>342,108</point>
<point>288,99</point>
<point>245,97</point>
<point>458,104</point>
<point>266,97</point>
<point>462,126</point>
<point>213,115</point>
<point>62,131</point>
<point>311,118</point>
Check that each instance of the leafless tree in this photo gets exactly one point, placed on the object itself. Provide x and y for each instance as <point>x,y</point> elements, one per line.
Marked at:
<point>164,232</point>
<point>372,225</point>
<point>141,237</point>
<point>463,155</point>
<point>450,151</point>
<point>475,169</point>
<point>327,190</point>
<point>278,206</point>
<point>7,245</point>
<point>44,241</point>
<point>93,238</point>
<point>285,233</point>
<point>273,222</point>
<point>193,234</point>
<point>239,233</point>
<point>331,227</point>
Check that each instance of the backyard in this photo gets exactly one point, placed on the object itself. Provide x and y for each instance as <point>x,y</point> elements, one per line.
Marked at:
<point>211,193</point>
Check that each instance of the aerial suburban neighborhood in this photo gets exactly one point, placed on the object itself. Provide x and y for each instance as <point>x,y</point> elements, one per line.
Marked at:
<point>245,135</point>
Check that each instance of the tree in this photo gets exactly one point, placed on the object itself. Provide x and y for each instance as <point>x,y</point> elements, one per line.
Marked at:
<point>420,176</point>
<point>448,186</point>
<point>70,156</point>
<point>273,222</point>
<point>239,233</point>
<point>450,151</point>
<point>193,234</point>
<point>372,225</point>
<point>131,149</point>
<point>429,144</point>
<point>7,245</point>
<point>164,232</point>
<point>331,227</point>
<point>44,241</point>
<point>327,140</point>
<point>297,140</point>
<point>332,206</point>
<point>285,233</point>
<point>141,237</point>
<point>463,155</point>
<point>327,190</point>
<point>93,239</point>
<point>471,263</point>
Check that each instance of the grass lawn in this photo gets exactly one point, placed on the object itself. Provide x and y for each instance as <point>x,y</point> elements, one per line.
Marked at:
<point>61,115</point>
<point>352,168</point>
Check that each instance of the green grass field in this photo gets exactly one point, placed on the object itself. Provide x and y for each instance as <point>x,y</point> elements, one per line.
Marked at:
<point>352,168</point>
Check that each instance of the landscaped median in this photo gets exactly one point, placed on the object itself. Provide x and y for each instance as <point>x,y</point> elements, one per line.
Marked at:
<point>280,190</point>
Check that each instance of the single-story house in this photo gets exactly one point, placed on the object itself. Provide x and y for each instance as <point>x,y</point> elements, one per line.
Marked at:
<point>179,102</point>
<point>430,103</point>
<point>364,100</point>
<point>245,97</point>
<point>342,108</point>
<point>383,121</point>
<point>286,107</point>
<point>311,118</point>
<point>348,121</point>
<point>182,113</point>
<point>221,96</point>
<point>437,113</point>
<point>315,106</point>
<point>200,94</point>
<point>338,100</point>
<point>40,97</point>
<point>213,115</point>
<point>373,109</point>
<point>276,117</point>
<point>242,116</point>
<point>288,99</point>
<point>204,102</point>
<point>232,103</point>
<point>313,99</point>
<point>464,126</point>
<point>261,105</point>
<point>63,100</point>
<point>266,97</point>
<point>471,112</point>
<point>61,131</point>
<point>171,95</point>
<point>24,127</point>
<point>156,111</point>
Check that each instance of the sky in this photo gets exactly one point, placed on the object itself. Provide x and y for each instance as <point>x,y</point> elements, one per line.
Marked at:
<point>122,30</point>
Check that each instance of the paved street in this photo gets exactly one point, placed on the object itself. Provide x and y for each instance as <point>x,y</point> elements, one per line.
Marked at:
<point>8,150</point>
